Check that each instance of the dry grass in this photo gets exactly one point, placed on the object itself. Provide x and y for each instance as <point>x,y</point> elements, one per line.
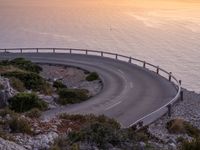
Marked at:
<point>181,126</point>
<point>176,126</point>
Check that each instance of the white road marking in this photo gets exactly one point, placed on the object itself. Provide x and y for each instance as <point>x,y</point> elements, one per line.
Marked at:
<point>121,71</point>
<point>113,105</point>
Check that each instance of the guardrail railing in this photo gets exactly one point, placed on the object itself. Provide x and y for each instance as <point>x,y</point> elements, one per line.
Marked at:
<point>144,120</point>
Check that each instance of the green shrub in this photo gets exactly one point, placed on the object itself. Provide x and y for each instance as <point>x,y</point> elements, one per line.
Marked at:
<point>71,96</point>
<point>17,84</point>
<point>22,64</point>
<point>26,65</point>
<point>59,85</point>
<point>34,113</point>
<point>92,76</point>
<point>98,133</point>
<point>91,118</point>
<point>30,80</point>
<point>192,145</point>
<point>26,101</point>
<point>19,125</point>
<point>4,63</point>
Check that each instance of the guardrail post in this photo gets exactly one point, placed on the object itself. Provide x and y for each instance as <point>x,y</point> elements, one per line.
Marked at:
<point>20,50</point>
<point>130,59</point>
<point>170,76</point>
<point>157,70</point>
<point>54,50</point>
<point>37,50</point>
<point>70,51</point>
<point>181,95</point>
<point>116,56</point>
<point>169,107</point>
<point>180,82</point>
<point>5,50</point>
<point>144,64</point>
<point>101,54</point>
<point>86,52</point>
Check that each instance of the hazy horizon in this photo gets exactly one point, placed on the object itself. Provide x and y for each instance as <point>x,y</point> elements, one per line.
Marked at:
<point>162,32</point>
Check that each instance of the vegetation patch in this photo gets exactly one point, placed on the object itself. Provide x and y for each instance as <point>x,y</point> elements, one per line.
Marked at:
<point>92,76</point>
<point>19,125</point>
<point>71,96</point>
<point>99,131</point>
<point>34,113</point>
<point>90,118</point>
<point>17,84</point>
<point>191,145</point>
<point>22,64</point>
<point>23,102</point>
<point>181,126</point>
<point>30,80</point>
<point>59,85</point>
<point>7,111</point>
<point>95,129</point>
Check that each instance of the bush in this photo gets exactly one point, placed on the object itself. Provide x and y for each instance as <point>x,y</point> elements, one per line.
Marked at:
<point>19,125</point>
<point>176,126</point>
<point>191,130</point>
<point>94,133</point>
<point>71,96</point>
<point>30,80</point>
<point>26,101</point>
<point>92,76</point>
<point>22,64</point>
<point>59,85</point>
<point>26,65</point>
<point>34,113</point>
<point>5,111</point>
<point>99,133</point>
<point>91,118</point>
<point>192,145</point>
<point>181,126</point>
<point>17,84</point>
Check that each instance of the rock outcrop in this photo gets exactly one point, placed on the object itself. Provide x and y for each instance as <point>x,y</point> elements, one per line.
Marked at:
<point>8,145</point>
<point>6,91</point>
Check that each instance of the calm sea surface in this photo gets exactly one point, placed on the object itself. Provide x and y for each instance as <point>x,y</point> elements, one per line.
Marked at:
<point>166,33</point>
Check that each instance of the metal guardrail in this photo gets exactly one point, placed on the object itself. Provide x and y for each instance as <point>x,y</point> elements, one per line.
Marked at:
<point>144,120</point>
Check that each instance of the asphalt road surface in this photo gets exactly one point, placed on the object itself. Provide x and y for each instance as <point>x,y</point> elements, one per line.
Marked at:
<point>129,92</point>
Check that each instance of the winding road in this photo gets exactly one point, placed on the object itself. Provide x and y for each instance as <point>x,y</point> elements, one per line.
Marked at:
<point>129,93</point>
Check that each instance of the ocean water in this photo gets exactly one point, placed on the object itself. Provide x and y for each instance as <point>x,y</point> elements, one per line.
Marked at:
<point>165,33</point>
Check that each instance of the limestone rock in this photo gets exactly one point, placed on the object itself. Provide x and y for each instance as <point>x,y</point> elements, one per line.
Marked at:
<point>8,145</point>
<point>6,91</point>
